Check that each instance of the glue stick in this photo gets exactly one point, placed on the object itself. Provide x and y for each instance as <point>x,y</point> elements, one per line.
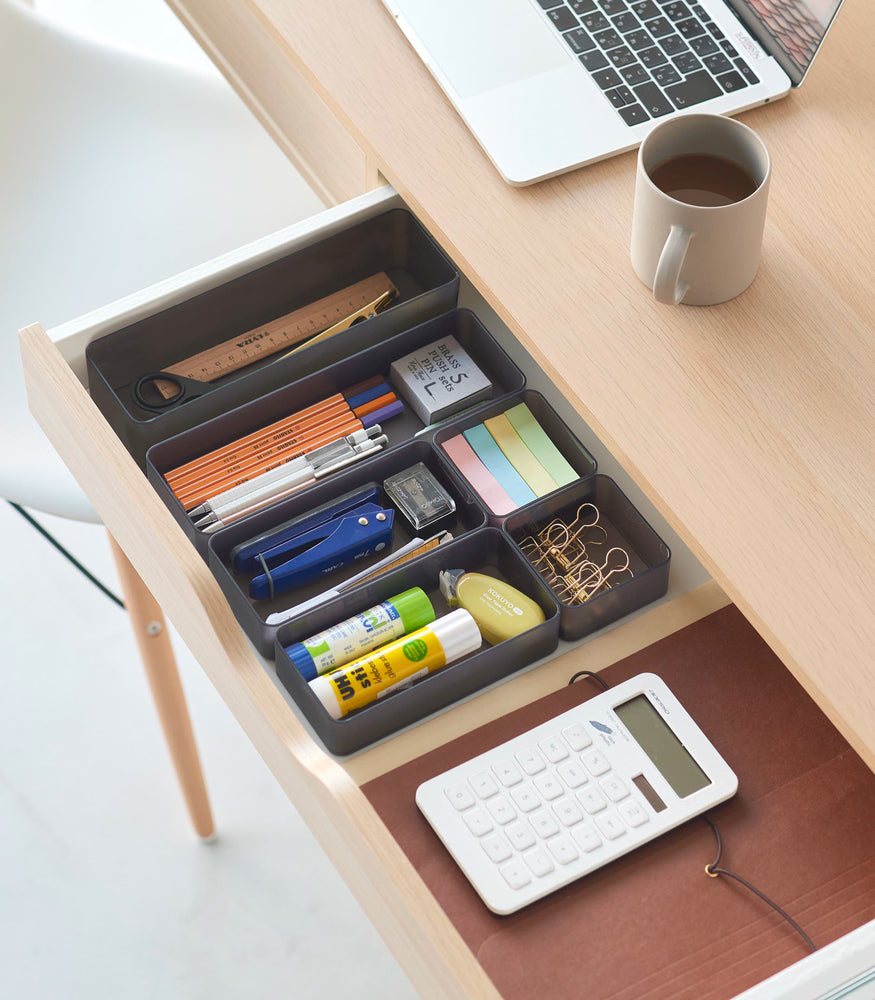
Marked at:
<point>350,639</point>
<point>397,664</point>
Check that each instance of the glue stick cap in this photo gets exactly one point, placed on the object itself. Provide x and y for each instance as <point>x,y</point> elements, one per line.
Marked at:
<point>414,607</point>
<point>302,660</point>
<point>458,634</point>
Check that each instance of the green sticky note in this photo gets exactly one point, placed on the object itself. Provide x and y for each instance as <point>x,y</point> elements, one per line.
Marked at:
<point>537,441</point>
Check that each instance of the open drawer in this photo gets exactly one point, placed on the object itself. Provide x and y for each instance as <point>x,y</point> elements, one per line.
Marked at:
<point>324,789</point>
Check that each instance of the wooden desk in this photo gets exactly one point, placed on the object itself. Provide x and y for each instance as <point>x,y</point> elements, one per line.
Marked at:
<point>751,426</point>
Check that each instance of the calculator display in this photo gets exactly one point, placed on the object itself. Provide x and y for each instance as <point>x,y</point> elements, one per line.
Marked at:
<point>658,741</point>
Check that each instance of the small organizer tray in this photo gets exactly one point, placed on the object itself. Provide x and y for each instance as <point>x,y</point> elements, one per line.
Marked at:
<point>251,614</point>
<point>393,242</point>
<point>506,379</point>
<point>555,427</point>
<point>485,551</point>
<point>624,527</point>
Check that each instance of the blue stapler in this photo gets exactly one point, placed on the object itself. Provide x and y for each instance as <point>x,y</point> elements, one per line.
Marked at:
<point>334,544</point>
<point>246,556</point>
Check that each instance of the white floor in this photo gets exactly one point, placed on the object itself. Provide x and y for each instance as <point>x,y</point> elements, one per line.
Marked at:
<point>104,890</point>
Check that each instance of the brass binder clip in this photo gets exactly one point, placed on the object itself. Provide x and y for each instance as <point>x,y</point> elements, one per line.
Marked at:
<point>366,312</point>
<point>564,555</point>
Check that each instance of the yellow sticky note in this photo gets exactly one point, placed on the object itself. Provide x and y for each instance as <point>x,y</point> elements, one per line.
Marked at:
<point>517,453</point>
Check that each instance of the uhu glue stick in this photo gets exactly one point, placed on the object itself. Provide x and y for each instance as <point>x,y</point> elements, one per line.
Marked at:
<point>398,663</point>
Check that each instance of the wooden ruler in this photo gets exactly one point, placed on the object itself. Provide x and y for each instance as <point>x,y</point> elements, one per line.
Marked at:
<point>278,334</point>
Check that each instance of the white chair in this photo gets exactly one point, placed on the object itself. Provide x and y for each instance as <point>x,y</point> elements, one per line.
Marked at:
<point>117,170</point>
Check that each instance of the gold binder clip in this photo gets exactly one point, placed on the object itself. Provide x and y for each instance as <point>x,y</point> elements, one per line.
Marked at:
<point>563,554</point>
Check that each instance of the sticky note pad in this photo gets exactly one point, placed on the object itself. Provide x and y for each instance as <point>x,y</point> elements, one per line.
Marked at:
<point>519,455</point>
<point>493,458</point>
<point>535,437</point>
<point>481,479</point>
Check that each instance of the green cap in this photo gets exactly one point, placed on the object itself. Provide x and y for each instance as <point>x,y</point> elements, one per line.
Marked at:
<point>414,607</point>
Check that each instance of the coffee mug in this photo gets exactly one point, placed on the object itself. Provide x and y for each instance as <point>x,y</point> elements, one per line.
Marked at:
<point>700,209</point>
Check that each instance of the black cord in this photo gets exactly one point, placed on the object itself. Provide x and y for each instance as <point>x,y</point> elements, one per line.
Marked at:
<point>593,675</point>
<point>67,555</point>
<point>714,871</point>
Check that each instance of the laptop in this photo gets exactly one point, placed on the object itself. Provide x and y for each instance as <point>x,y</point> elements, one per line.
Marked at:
<point>549,85</point>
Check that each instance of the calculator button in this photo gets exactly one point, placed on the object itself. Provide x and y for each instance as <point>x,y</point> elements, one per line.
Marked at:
<point>554,749</point>
<point>496,847</point>
<point>578,738</point>
<point>459,797</point>
<point>586,837</point>
<point>539,862</point>
<point>633,813</point>
<point>614,788</point>
<point>563,850</point>
<point>596,763</point>
<point>611,826</point>
<point>515,874</point>
<point>502,811</point>
<point>507,773</point>
<point>477,822</point>
<point>591,801</point>
<point>549,786</point>
<point>525,798</point>
<point>573,774</point>
<point>544,824</point>
<point>568,812</point>
<point>531,761</point>
<point>520,836</point>
<point>484,785</point>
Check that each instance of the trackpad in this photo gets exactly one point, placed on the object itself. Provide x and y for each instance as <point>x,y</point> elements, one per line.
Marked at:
<point>483,44</point>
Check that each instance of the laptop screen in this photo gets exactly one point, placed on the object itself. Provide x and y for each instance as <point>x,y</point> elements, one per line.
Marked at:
<point>796,26</point>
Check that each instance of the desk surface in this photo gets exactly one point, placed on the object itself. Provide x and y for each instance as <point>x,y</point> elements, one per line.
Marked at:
<point>750,425</point>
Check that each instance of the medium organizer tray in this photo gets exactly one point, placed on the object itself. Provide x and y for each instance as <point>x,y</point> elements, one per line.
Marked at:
<point>649,556</point>
<point>506,378</point>
<point>251,614</point>
<point>574,452</point>
<point>486,550</point>
<point>394,242</point>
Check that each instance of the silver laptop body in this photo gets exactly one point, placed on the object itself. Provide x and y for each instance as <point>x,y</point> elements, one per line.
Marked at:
<point>550,85</point>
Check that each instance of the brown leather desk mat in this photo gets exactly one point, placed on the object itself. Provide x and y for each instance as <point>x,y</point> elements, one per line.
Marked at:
<point>653,925</point>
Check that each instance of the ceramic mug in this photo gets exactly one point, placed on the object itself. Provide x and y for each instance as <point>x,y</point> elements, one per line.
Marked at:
<point>695,254</point>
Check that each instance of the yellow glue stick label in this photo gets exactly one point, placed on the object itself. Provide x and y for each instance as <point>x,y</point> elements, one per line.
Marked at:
<point>374,676</point>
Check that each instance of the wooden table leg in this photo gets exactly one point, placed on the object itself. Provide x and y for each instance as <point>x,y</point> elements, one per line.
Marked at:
<point>150,630</point>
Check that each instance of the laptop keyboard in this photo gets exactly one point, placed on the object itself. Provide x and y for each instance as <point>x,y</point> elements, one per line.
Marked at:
<point>650,57</point>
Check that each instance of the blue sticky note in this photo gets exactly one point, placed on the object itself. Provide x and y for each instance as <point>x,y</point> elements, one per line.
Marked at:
<point>494,459</point>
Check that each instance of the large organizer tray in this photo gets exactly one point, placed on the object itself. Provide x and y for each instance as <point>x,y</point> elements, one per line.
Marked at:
<point>393,242</point>
<point>483,540</point>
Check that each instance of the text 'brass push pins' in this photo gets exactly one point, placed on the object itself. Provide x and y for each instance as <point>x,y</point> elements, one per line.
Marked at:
<point>572,558</point>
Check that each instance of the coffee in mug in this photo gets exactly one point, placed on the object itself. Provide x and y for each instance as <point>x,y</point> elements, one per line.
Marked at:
<point>701,179</point>
<point>700,207</point>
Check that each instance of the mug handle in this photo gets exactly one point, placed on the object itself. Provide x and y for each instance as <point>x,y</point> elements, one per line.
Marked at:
<point>667,285</point>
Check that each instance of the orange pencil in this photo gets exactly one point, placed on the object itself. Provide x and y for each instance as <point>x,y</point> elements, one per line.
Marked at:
<point>310,411</point>
<point>271,458</point>
<point>194,497</point>
<point>375,404</point>
<point>285,439</point>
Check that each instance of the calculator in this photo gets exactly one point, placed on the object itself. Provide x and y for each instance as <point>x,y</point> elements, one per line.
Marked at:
<point>573,794</point>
